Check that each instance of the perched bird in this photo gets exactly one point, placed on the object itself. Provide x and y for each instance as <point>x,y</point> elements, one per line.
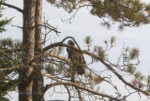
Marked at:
<point>76,58</point>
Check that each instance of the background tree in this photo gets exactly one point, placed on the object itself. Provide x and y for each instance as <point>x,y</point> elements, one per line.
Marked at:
<point>31,59</point>
<point>6,83</point>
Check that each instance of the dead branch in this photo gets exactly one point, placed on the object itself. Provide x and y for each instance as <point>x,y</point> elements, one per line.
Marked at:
<point>12,6</point>
<point>79,87</point>
<point>48,26</point>
<point>17,26</point>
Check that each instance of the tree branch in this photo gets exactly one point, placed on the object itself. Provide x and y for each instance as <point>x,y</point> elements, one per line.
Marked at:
<point>69,93</point>
<point>61,44</point>
<point>79,94</point>
<point>5,54</point>
<point>58,57</point>
<point>12,6</point>
<point>78,86</point>
<point>101,60</point>
<point>46,25</point>
<point>7,69</point>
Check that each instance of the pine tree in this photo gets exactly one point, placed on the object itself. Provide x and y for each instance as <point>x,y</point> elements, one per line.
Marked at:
<point>6,84</point>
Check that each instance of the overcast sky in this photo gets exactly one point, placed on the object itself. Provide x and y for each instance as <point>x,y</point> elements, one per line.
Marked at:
<point>83,25</point>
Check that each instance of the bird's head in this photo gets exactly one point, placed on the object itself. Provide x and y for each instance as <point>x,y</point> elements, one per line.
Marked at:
<point>70,42</point>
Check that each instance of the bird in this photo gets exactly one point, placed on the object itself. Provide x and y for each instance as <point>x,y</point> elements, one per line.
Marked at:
<point>77,59</point>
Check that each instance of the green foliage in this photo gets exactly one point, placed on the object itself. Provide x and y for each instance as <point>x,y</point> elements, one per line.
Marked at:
<point>131,69</point>
<point>7,60</point>
<point>61,66</point>
<point>88,40</point>
<point>68,5</point>
<point>3,98</point>
<point>6,43</point>
<point>112,40</point>
<point>134,53</point>
<point>126,12</point>
<point>3,22</point>
<point>100,52</point>
<point>50,69</point>
<point>5,46</point>
<point>5,86</point>
<point>139,76</point>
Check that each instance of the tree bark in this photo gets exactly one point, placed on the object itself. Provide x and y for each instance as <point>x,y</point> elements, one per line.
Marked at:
<point>25,75</point>
<point>38,78</point>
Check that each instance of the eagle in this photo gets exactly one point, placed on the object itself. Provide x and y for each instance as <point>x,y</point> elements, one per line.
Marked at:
<point>76,58</point>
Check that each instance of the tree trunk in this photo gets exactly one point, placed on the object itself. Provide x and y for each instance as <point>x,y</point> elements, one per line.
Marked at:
<point>25,75</point>
<point>38,78</point>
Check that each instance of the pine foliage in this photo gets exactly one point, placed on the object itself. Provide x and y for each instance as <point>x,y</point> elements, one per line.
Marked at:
<point>3,22</point>
<point>126,12</point>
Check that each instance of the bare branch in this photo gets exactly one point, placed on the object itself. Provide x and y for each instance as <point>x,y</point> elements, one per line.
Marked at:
<point>60,43</point>
<point>46,25</point>
<point>79,87</point>
<point>17,26</point>
<point>79,94</point>
<point>69,93</point>
<point>12,6</point>
<point>52,46</point>
<point>75,13</point>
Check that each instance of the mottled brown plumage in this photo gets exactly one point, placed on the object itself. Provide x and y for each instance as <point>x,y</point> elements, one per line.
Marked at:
<point>76,58</point>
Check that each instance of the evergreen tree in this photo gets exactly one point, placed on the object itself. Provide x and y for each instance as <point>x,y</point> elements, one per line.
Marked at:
<point>6,84</point>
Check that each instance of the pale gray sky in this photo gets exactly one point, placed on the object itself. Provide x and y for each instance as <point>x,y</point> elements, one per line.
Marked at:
<point>85,24</point>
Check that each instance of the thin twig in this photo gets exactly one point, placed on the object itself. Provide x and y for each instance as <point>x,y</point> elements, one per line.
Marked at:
<point>17,26</point>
